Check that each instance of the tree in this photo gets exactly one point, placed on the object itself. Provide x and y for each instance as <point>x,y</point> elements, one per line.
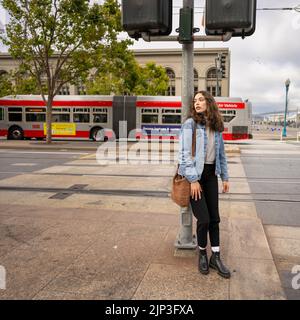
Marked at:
<point>153,80</point>
<point>17,82</point>
<point>59,41</point>
<point>127,77</point>
<point>6,85</point>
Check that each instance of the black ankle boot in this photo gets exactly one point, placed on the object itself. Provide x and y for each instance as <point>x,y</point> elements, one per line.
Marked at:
<point>216,263</point>
<point>203,262</point>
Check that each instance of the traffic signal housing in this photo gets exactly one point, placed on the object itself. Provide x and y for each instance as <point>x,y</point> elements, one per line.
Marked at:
<point>223,65</point>
<point>236,16</point>
<point>143,16</point>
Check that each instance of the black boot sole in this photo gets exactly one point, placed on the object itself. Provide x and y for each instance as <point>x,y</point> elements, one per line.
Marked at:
<point>204,272</point>
<point>224,275</point>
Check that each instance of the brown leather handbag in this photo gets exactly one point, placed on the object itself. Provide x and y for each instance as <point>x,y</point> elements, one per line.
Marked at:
<point>181,187</point>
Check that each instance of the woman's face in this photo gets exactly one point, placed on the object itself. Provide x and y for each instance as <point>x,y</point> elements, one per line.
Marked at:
<point>200,103</point>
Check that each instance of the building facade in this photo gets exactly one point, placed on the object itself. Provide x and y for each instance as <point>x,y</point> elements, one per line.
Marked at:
<point>205,75</point>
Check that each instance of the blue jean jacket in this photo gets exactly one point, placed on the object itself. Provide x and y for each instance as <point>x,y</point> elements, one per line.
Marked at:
<point>192,168</point>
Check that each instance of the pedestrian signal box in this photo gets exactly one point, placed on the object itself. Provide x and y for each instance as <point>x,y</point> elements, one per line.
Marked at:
<point>153,17</point>
<point>236,16</point>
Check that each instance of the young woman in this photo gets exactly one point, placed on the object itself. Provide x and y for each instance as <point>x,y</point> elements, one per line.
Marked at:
<point>202,171</point>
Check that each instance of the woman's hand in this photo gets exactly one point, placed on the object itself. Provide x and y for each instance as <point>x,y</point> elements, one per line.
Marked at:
<point>196,190</point>
<point>225,186</point>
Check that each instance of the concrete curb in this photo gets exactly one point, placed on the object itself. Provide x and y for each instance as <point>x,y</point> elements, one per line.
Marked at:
<point>58,146</point>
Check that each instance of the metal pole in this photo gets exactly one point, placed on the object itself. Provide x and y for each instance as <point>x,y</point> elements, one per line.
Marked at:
<point>287,83</point>
<point>185,238</point>
<point>217,75</point>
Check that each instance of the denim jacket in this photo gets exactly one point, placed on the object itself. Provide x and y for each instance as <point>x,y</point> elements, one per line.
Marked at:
<point>192,168</point>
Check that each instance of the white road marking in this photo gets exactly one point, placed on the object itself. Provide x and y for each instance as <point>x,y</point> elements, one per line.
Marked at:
<point>42,152</point>
<point>23,164</point>
<point>282,152</point>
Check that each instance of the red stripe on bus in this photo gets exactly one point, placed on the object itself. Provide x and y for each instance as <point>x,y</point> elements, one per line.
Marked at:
<point>56,103</point>
<point>40,134</point>
<point>139,104</point>
<point>3,132</point>
<point>79,134</point>
<point>177,104</point>
<point>231,105</point>
<point>235,136</point>
<point>165,104</point>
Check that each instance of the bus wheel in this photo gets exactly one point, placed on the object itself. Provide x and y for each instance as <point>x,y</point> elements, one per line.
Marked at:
<point>15,133</point>
<point>97,134</point>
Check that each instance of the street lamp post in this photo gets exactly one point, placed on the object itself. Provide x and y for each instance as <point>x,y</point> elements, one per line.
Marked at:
<point>287,84</point>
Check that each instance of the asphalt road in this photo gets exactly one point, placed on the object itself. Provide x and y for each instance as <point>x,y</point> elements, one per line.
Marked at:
<point>272,169</point>
<point>15,162</point>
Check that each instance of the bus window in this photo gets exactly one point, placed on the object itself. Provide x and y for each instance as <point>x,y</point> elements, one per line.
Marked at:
<point>15,114</point>
<point>169,110</point>
<point>149,118</point>
<point>228,118</point>
<point>100,118</point>
<point>35,117</point>
<point>60,117</point>
<point>61,109</point>
<point>81,110</point>
<point>101,110</point>
<point>1,114</point>
<point>81,117</point>
<point>150,110</point>
<point>170,118</point>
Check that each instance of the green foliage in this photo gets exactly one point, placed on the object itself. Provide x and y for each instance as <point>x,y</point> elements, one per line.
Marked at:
<point>71,31</point>
<point>14,83</point>
<point>153,80</point>
<point>6,85</point>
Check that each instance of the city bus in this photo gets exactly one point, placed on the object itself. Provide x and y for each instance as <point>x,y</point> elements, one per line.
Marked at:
<point>102,118</point>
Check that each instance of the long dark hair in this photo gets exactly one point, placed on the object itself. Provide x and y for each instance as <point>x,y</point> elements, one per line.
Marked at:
<point>211,117</point>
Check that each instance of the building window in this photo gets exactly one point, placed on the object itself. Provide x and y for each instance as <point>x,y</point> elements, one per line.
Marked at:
<point>171,87</point>
<point>64,90</point>
<point>81,89</point>
<point>211,82</point>
<point>196,77</point>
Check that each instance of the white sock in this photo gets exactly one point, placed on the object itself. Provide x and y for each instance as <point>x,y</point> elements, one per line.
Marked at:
<point>201,248</point>
<point>215,249</point>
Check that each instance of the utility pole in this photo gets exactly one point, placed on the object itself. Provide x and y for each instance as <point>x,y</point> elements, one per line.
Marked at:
<point>185,238</point>
<point>218,67</point>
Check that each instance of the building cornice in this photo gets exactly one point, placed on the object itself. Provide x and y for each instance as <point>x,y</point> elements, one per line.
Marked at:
<point>153,52</point>
<point>163,52</point>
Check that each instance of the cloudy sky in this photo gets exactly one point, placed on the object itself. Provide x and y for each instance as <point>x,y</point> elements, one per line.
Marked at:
<point>260,64</point>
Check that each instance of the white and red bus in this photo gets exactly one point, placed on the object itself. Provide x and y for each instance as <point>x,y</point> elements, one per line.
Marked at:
<point>99,117</point>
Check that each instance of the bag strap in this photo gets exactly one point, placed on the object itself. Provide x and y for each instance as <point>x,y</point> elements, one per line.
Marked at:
<point>194,141</point>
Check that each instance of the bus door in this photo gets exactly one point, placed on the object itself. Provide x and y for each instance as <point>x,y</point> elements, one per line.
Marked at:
<point>3,129</point>
<point>124,109</point>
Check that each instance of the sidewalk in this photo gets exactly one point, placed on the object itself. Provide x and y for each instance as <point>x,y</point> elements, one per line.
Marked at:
<point>122,247</point>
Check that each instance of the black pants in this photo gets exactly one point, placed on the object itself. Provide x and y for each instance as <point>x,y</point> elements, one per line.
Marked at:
<point>206,210</point>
